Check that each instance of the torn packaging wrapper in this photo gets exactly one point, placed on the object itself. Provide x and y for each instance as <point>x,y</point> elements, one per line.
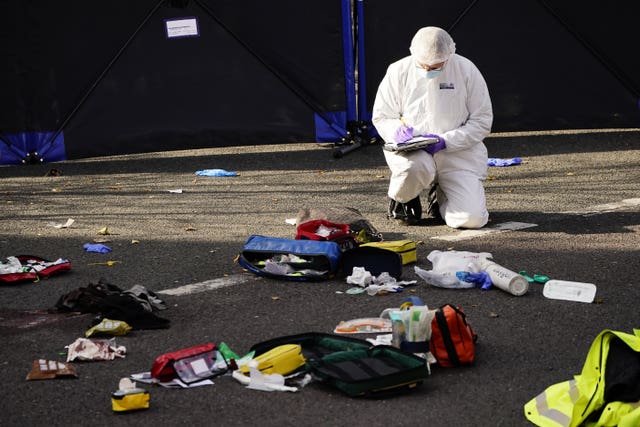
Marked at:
<point>43,369</point>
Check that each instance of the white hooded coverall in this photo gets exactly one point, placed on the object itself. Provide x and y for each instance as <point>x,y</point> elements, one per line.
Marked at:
<point>454,105</point>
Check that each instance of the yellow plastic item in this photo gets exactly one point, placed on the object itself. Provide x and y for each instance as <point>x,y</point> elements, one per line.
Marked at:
<point>129,400</point>
<point>406,249</point>
<point>282,360</point>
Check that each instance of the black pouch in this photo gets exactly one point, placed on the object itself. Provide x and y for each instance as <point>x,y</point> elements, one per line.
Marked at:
<point>373,259</point>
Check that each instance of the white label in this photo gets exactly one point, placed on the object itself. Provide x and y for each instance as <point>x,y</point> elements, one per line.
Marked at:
<point>199,366</point>
<point>187,27</point>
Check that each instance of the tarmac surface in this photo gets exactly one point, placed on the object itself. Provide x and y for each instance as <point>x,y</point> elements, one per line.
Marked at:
<point>579,191</point>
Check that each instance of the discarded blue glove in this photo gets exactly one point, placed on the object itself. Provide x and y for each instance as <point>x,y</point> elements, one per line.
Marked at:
<point>434,148</point>
<point>481,280</point>
<point>493,161</point>
<point>97,247</point>
<point>215,172</point>
<point>403,134</point>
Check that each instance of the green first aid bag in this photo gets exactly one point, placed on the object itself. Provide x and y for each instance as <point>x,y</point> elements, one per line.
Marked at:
<point>353,365</point>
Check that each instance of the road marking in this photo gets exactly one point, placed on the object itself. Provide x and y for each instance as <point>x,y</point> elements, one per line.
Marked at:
<point>607,207</point>
<point>512,225</point>
<point>498,228</point>
<point>207,285</point>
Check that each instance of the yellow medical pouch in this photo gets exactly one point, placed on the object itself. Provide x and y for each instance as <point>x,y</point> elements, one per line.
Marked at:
<point>406,249</point>
<point>282,360</point>
<point>130,400</point>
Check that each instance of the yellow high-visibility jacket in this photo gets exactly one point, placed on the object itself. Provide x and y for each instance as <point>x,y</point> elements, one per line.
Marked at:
<point>606,393</point>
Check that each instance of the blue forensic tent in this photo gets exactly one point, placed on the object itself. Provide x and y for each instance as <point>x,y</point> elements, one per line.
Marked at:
<point>155,75</point>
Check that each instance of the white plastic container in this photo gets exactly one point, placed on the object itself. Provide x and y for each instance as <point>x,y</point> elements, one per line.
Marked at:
<point>505,279</point>
<point>570,291</point>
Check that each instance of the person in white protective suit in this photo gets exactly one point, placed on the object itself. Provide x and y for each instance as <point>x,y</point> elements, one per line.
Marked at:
<point>438,93</point>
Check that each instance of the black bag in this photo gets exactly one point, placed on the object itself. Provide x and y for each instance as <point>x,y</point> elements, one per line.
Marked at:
<point>354,366</point>
<point>373,259</point>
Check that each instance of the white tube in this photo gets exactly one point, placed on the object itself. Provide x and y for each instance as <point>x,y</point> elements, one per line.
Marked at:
<point>505,279</point>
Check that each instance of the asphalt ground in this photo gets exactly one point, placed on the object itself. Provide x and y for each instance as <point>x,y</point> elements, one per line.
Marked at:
<point>580,189</point>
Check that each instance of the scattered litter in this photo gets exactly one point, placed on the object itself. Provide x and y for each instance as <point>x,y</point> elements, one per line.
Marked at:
<point>215,172</point>
<point>355,290</point>
<point>505,279</point>
<point>536,277</point>
<point>360,277</point>
<point>493,161</point>
<point>381,339</point>
<point>129,397</point>
<point>570,291</point>
<point>135,306</point>
<point>380,285</point>
<point>480,280</point>
<point>107,263</point>
<point>145,377</point>
<point>104,231</point>
<point>67,224</point>
<point>109,327</point>
<point>97,247</point>
<point>466,270</point>
<point>365,325</point>
<point>93,350</point>
<point>43,369</point>
<point>263,382</point>
<point>28,267</point>
<point>447,263</point>
<point>177,191</point>
<point>135,242</point>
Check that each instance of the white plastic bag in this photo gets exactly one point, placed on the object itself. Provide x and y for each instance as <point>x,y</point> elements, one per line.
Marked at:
<point>446,264</point>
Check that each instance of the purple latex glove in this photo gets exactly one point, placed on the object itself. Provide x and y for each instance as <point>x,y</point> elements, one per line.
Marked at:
<point>434,148</point>
<point>403,134</point>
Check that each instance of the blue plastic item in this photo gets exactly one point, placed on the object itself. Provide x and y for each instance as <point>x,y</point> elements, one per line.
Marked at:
<point>215,172</point>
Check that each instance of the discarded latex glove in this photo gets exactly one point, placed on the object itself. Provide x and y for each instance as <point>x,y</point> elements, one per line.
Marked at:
<point>536,277</point>
<point>493,161</point>
<point>215,172</point>
<point>360,277</point>
<point>97,247</point>
<point>481,279</point>
<point>438,146</point>
<point>442,280</point>
<point>403,134</point>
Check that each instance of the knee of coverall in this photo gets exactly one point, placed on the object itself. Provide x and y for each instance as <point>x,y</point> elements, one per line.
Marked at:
<point>477,218</point>
<point>410,174</point>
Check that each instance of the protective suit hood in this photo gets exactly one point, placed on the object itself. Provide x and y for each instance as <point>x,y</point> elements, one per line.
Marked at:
<point>432,45</point>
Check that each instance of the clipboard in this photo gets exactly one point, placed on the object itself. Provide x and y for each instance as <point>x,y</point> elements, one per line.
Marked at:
<point>415,143</point>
